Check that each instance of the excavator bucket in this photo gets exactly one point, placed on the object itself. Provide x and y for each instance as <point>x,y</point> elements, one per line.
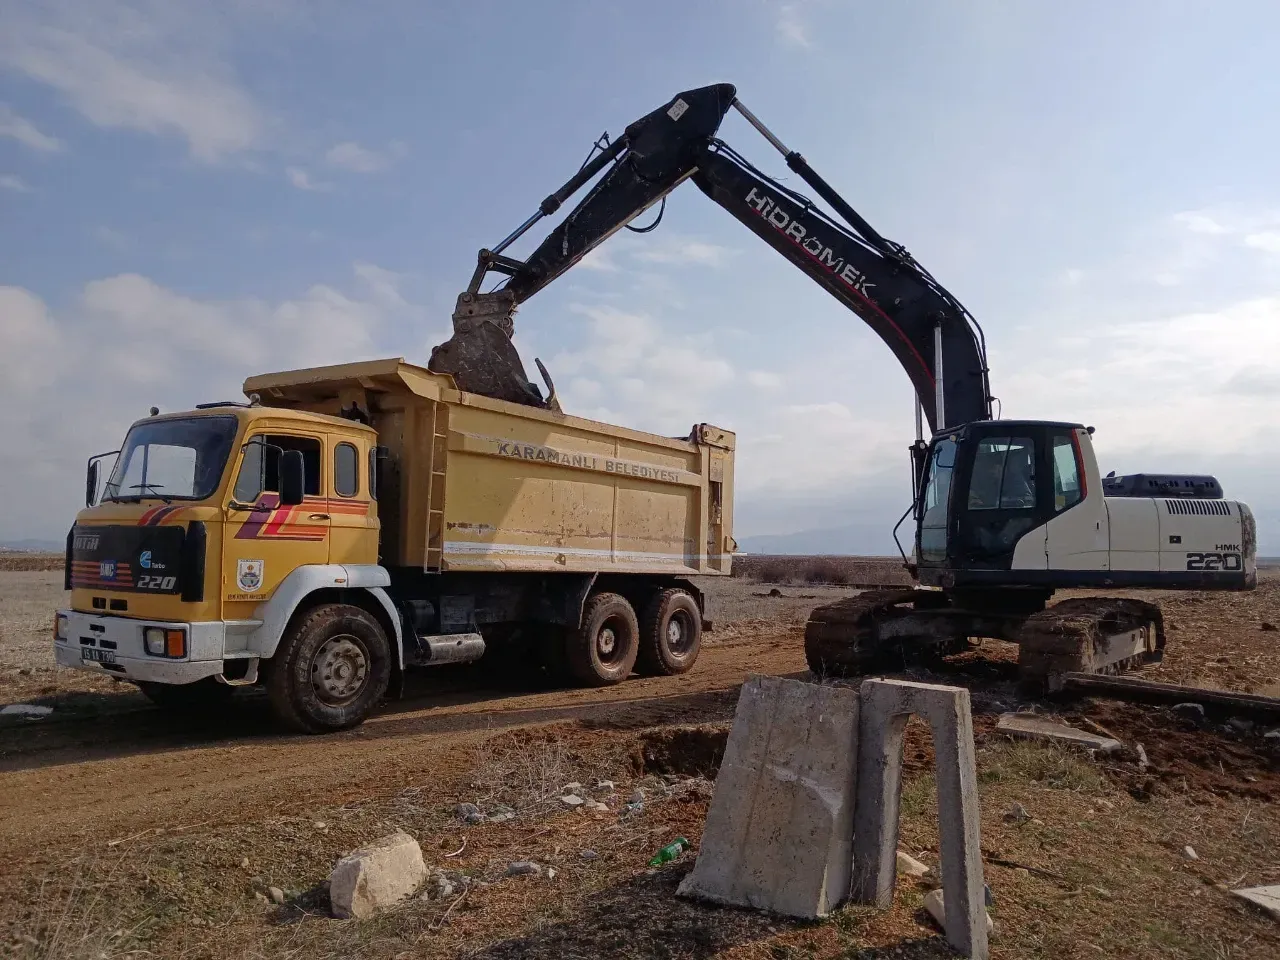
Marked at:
<point>480,355</point>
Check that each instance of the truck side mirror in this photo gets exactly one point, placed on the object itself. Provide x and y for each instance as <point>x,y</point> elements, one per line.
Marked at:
<point>292,478</point>
<point>91,484</point>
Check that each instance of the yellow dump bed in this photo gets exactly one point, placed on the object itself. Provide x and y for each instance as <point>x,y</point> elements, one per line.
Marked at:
<point>470,483</point>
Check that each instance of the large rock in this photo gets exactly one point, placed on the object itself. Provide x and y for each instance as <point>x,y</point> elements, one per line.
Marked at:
<point>376,876</point>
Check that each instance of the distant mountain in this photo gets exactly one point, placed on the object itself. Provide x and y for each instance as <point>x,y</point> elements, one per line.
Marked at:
<point>32,546</point>
<point>869,539</point>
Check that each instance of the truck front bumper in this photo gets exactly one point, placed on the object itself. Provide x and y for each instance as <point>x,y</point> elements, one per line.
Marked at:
<point>114,646</point>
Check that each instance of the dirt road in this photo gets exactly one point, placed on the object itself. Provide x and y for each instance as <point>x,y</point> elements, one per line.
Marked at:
<point>148,769</point>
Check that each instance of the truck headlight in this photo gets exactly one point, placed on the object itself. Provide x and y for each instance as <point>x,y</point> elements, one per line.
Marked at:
<point>153,640</point>
<point>60,627</point>
<point>162,642</point>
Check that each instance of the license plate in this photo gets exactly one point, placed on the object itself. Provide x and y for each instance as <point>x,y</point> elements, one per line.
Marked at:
<point>98,656</point>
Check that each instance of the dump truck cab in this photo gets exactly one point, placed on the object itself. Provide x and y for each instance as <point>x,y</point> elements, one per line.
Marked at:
<point>193,551</point>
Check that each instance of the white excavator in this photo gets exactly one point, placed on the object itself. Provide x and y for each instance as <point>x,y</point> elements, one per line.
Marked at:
<point>1006,511</point>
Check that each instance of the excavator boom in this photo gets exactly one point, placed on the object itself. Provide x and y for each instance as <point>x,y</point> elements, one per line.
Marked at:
<point>934,338</point>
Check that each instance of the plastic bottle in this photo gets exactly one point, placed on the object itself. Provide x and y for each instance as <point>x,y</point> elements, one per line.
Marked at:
<point>669,852</point>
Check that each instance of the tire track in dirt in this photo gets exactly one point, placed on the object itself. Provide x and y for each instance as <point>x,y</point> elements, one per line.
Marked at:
<point>144,769</point>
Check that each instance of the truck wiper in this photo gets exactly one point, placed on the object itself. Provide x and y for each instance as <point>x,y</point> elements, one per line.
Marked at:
<point>152,489</point>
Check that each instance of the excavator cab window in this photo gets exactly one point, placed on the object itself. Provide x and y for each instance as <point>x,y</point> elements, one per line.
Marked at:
<point>1004,474</point>
<point>1067,489</point>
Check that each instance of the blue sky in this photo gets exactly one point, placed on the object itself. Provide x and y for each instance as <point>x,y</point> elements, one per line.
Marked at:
<point>194,192</point>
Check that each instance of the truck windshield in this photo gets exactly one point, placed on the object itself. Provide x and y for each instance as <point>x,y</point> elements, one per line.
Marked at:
<point>172,459</point>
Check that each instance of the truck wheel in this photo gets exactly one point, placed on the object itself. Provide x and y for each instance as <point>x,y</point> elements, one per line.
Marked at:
<point>671,634</point>
<point>200,697</point>
<point>330,669</point>
<point>602,651</point>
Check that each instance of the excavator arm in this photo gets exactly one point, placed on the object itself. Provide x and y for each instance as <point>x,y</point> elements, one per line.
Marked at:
<point>936,341</point>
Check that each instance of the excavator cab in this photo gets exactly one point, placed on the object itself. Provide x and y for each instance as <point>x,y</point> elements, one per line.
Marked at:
<point>988,491</point>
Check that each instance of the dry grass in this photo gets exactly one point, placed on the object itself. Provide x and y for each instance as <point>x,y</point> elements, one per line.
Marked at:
<point>31,561</point>
<point>836,571</point>
<point>527,770</point>
<point>1105,875</point>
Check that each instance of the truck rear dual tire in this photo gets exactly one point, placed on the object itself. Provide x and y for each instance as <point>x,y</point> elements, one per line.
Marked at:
<point>671,634</point>
<point>603,650</point>
<point>331,669</point>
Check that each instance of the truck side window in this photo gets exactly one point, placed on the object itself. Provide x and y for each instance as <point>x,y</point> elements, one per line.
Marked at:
<point>346,470</point>
<point>373,472</point>
<point>260,468</point>
<point>1066,473</point>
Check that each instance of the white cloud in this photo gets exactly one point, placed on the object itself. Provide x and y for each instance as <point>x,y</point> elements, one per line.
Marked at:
<point>302,180</point>
<point>152,67</point>
<point>25,132</point>
<point>630,370</point>
<point>1201,221</point>
<point>351,156</point>
<point>382,283</point>
<point>126,343</point>
<point>16,184</point>
<point>1191,384</point>
<point>1268,241</point>
<point>792,30</point>
<point>764,379</point>
<point>677,250</point>
<point>600,260</point>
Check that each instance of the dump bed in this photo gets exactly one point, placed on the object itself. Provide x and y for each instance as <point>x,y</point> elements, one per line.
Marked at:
<point>470,483</point>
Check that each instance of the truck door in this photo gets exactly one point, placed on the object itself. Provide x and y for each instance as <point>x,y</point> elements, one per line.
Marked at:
<point>353,521</point>
<point>266,542</point>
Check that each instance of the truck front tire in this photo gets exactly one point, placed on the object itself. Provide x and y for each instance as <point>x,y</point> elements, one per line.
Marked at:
<point>671,633</point>
<point>602,651</point>
<point>331,669</point>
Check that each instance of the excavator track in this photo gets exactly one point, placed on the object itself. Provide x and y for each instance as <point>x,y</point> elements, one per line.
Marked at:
<point>1086,635</point>
<point>857,635</point>
<point>1096,635</point>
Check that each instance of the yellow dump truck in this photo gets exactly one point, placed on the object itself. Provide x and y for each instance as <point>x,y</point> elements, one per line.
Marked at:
<point>348,522</point>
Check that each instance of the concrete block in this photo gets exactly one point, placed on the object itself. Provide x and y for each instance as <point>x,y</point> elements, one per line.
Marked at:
<point>935,905</point>
<point>779,831</point>
<point>885,707</point>
<point>374,877</point>
<point>1268,898</point>
<point>1028,726</point>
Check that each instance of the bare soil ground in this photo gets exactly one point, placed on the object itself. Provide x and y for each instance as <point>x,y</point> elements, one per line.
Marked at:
<point>126,832</point>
